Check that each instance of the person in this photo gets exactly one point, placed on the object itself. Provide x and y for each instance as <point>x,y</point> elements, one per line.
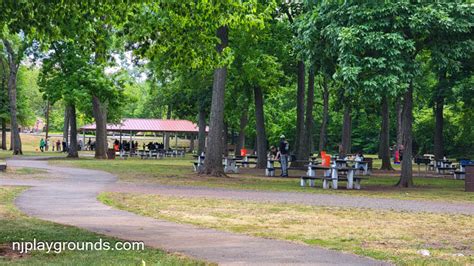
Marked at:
<point>79,144</point>
<point>273,153</point>
<point>58,145</point>
<point>359,157</point>
<point>116,145</point>
<point>42,145</point>
<point>64,145</point>
<point>283,155</point>
<point>89,144</point>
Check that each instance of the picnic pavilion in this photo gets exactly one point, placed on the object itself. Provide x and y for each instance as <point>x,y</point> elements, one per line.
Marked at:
<point>135,126</point>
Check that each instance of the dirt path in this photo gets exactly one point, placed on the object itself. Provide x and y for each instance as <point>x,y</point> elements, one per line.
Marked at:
<point>299,198</point>
<point>72,200</point>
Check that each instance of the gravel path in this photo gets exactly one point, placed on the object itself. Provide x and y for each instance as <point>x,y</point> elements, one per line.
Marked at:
<point>295,197</point>
<point>72,200</point>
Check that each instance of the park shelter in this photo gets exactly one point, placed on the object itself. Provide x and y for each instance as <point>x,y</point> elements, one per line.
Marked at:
<point>132,126</point>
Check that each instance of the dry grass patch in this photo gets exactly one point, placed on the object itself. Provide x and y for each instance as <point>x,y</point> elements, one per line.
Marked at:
<point>387,235</point>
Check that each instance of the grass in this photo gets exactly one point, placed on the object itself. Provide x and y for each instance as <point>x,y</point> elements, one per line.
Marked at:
<point>386,235</point>
<point>15,226</point>
<point>179,172</point>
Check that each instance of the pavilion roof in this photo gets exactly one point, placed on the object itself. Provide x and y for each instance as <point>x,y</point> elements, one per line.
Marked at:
<point>149,125</point>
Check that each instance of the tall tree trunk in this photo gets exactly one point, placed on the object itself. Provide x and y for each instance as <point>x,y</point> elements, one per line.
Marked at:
<point>300,130</point>
<point>244,119</point>
<point>324,122</point>
<point>72,148</point>
<point>438,134</point>
<point>406,178</point>
<point>3,103</point>
<point>384,147</point>
<point>399,107</point>
<point>47,119</point>
<point>191,142</point>
<point>4,134</point>
<point>166,138</point>
<point>66,124</point>
<point>225,140</point>
<point>213,162</point>
<point>307,143</point>
<point>346,130</point>
<point>12,95</point>
<point>202,130</point>
<point>100,115</point>
<point>260,127</point>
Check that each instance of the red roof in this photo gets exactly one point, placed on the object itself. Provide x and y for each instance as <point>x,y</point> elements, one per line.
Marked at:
<point>149,125</point>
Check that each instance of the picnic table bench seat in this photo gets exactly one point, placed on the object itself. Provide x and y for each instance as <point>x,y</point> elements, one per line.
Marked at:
<point>327,180</point>
<point>443,169</point>
<point>459,174</point>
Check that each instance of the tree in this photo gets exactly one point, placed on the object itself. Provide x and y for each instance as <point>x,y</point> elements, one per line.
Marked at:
<point>195,35</point>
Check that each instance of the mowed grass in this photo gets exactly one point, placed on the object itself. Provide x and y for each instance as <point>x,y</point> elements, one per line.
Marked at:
<point>171,171</point>
<point>15,226</point>
<point>397,237</point>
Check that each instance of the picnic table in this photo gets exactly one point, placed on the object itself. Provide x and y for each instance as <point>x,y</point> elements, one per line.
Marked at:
<point>444,165</point>
<point>230,165</point>
<point>246,162</point>
<point>332,176</point>
<point>3,166</point>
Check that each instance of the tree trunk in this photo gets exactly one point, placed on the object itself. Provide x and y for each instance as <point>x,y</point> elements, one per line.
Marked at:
<point>300,130</point>
<point>384,147</point>
<point>191,142</point>
<point>66,125</point>
<point>307,143</point>
<point>213,162</point>
<point>3,104</point>
<point>225,140</point>
<point>12,95</point>
<point>166,138</point>
<point>260,127</point>
<point>399,107</point>
<point>47,120</point>
<point>438,134</point>
<point>202,131</point>
<point>4,134</point>
<point>346,131</point>
<point>406,178</point>
<point>100,115</point>
<point>324,122</point>
<point>244,119</point>
<point>72,148</point>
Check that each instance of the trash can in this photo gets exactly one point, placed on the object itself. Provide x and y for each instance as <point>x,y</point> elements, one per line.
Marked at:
<point>469,180</point>
<point>111,154</point>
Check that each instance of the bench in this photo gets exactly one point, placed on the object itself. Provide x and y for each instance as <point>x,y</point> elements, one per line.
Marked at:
<point>327,180</point>
<point>444,169</point>
<point>304,180</point>
<point>3,167</point>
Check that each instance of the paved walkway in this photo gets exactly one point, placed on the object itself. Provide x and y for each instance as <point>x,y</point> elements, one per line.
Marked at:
<point>72,200</point>
<point>299,198</point>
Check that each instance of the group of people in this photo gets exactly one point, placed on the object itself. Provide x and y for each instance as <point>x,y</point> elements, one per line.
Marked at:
<point>57,145</point>
<point>281,154</point>
<point>125,145</point>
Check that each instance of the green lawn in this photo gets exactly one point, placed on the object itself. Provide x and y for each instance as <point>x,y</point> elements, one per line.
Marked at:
<point>179,172</point>
<point>398,237</point>
<point>15,226</point>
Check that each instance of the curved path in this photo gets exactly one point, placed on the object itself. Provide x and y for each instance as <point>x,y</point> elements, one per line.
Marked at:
<point>299,198</point>
<point>72,200</point>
